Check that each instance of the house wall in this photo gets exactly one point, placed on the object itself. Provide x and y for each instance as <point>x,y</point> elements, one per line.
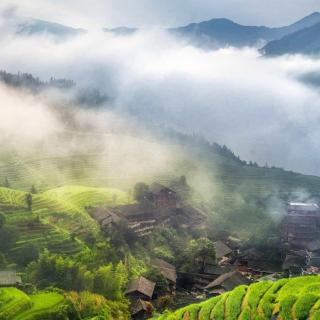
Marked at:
<point>136,296</point>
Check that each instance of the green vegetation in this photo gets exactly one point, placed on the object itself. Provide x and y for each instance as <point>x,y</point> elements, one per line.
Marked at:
<point>16,305</point>
<point>286,299</point>
<point>234,302</point>
<point>43,305</point>
<point>47,235</point>
<point>12,302</point>
<point>58,220</point>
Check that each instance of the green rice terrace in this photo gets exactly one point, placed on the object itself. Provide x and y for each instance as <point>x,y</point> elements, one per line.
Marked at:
<point>58,220</point>
<point>14,304</point>
<point>285,299</point>
<point>46,305</point>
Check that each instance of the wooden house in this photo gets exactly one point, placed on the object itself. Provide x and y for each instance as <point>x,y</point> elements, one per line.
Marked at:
<point>141,310</point>
<point>301,225</point>
<point>9,279</point>
<point>217,270</point>
<point>295,261</point>
<point>140,288</point>
<point>226,282</point>
<point>104,216</point>
<point>142,217</point>
<point>167,270</point>
<point>222,250</point>
<point>210,273</point>
<point>163,197</point>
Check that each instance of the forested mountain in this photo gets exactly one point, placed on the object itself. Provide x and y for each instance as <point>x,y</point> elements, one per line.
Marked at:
<point>299,37</point>
<point>218,33</point>
<point>85,96</point>
<point>306,41</point>
<point>224,32</point>
<point>35,26</point>
<point>122,31</point>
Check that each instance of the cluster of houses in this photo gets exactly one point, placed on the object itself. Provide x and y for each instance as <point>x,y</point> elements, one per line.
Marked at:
<point>141,291</point>
<point>234,266</point>
<point>162,206</point>
<point>230,269</point>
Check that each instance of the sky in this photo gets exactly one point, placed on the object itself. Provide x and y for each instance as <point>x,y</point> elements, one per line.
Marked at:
<point>146,13</point>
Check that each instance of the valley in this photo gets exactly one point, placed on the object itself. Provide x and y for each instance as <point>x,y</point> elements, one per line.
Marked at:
<point>159,161</point>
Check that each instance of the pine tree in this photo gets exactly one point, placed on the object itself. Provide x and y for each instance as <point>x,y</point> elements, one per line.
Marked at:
<point>6,183</point>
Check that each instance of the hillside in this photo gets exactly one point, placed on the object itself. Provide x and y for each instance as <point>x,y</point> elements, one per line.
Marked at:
<point>306,41</point>
<point>58,220</point>
<point>297,298</point>
<point>16,305</point>
<point>221,32</point>
<point>215,174</point>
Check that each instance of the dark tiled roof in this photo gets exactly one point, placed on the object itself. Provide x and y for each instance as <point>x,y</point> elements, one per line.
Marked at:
<point>141,285</point>
<point>9,278</point>
<point>140,305</point>
<point>166,269</point>
<point>228,281</point>
<point>103,214</point>
<point>157,188</point>
<point>293,261</point>
<point>217,270</point>
<point>313,245</point>
<point>221,249</point>
<point>136,209</point>
<point>251,254</point>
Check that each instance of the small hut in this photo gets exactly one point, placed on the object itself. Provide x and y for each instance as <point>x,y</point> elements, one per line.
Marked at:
<point>140,288</point>
<point>226,282</point>
<point>222,250</point>
<point>141,310</point>
<point>167,270</point>
<point>9,279</point>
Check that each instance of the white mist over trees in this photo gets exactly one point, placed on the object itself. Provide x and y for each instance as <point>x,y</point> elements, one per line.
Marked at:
<point>258,107</point>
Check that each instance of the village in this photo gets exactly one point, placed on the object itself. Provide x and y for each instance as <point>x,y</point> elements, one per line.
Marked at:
<point>231,265</point>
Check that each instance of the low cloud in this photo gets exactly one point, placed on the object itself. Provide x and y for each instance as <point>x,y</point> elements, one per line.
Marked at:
<point>258,107</point>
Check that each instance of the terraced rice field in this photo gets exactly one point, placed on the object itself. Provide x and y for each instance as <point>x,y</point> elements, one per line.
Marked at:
<point>16,305</point>
<point>286,299</point>
<point>59,220</point>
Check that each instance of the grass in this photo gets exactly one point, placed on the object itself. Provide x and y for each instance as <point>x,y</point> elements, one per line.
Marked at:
<point>285,299</point>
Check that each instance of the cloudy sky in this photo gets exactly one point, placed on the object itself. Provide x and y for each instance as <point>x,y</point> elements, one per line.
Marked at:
<point>113,13</point>
<point>258,107</point>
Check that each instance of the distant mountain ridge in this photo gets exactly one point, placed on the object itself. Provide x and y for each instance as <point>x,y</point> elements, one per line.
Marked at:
<point>221,32</point>
<point>224,32</point>
<point>305,41</point>
<point>28,27</point>
<point>122,30</point>
<point>302,36</point>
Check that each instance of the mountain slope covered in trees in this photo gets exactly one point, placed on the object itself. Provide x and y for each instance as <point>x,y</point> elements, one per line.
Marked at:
<point>306,41</point>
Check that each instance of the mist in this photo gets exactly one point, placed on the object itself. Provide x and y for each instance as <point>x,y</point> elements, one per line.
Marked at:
<point>258,107</point>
